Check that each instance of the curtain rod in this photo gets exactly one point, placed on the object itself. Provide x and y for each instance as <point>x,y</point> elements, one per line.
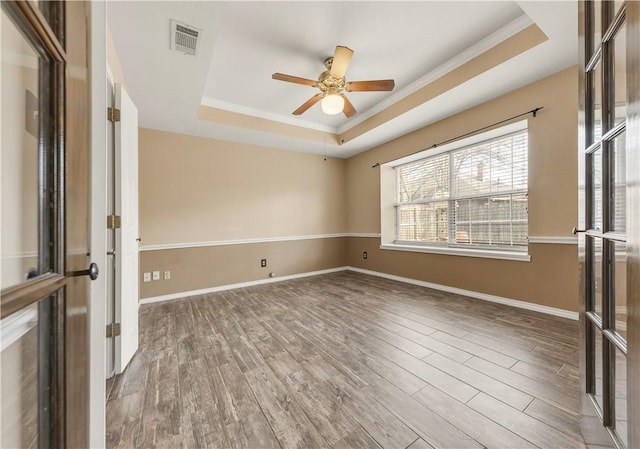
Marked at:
<point>462,136</point>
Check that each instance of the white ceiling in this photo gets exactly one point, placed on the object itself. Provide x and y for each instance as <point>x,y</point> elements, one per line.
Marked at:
<point>243,43</point>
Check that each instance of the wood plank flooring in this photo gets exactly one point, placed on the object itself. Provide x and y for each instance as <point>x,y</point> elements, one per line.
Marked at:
<point>346,361</point>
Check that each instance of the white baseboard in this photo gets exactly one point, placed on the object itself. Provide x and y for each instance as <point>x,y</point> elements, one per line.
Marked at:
<point>484,296</point>
<point>459,291</point>
<point>219,288</point>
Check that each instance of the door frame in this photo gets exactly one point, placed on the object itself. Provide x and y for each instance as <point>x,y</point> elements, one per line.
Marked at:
<point>110,268</point>
<point>633,220</point>
<point>98,213</point>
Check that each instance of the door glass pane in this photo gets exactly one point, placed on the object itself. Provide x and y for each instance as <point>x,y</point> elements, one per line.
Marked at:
<point>616,6</point>
<point>596,276</point>
<point>620,73</point>
<point>596,108</point>
<point>19,379</point>
<point>621,396</point>
<point>597,362</point>
<point>596,167</point>
<point>597,23</point>
<point>19,157</point>
<point>620,288</point>
<point>619,186</point>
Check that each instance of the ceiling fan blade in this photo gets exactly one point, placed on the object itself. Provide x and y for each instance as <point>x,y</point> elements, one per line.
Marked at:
<point>341,59</point>
<point>369,86</point>
<point>294,79</point>
<point>310,102</point>
<point>348,110</point>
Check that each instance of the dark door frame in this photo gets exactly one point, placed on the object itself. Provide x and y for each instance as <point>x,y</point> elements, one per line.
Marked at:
<point>633,220</point>
<point>598,313</point>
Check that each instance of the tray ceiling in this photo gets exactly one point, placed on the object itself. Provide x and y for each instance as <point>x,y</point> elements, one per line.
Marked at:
<point>444,57</point>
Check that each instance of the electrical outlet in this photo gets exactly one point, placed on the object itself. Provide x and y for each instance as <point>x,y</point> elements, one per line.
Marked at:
<point>263,263</point>
<point>364,255</point>
<point>156,275</point>
<point>146,277</point>
<point>167,275</point>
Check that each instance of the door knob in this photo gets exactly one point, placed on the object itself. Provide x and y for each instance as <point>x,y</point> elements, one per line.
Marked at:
<point>92,272</point>
<point>576,230</point>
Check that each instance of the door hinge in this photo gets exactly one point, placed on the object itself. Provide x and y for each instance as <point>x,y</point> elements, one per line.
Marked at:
<point>113,221</point>
<point>113,330</point>
<point>113,114</point>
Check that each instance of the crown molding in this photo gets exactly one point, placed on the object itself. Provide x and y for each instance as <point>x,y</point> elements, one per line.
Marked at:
<point>266,115</point>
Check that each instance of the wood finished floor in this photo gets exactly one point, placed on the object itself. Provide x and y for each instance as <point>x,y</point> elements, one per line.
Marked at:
<point>346,361</point>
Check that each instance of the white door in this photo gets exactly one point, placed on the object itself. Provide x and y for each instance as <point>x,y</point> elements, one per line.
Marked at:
<point>126,202</point>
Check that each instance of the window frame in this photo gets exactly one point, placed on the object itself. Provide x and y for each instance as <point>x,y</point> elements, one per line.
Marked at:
<point>390,234</point>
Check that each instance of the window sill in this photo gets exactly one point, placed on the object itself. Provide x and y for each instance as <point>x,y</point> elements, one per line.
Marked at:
<point>465,252</point>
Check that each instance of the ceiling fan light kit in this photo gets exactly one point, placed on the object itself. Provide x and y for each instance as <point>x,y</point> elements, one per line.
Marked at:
<point>332,84</point>
<point>332,104</point>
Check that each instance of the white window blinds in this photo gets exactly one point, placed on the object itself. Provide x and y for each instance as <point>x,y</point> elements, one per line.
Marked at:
<point>472,197</point>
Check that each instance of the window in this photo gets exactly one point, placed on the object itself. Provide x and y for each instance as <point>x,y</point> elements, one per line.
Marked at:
<point>471,197</point>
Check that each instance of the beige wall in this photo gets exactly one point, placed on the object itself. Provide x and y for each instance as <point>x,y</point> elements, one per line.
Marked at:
<point>550,279</point>
<point>551,276</point>
<point>203,190</point>
<point>205,267</point>
<point>194,189</point>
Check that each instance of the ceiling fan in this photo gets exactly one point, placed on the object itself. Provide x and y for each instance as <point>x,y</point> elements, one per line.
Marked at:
<point>332,84</point>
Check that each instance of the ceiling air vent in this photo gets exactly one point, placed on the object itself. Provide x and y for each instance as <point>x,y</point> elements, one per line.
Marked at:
<point>184,38</point>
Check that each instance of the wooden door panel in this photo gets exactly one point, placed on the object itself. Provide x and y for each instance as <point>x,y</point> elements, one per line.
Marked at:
<point>57,288</point>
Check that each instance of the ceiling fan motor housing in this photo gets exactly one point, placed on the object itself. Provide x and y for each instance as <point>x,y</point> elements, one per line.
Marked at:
<point>328,84</point>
